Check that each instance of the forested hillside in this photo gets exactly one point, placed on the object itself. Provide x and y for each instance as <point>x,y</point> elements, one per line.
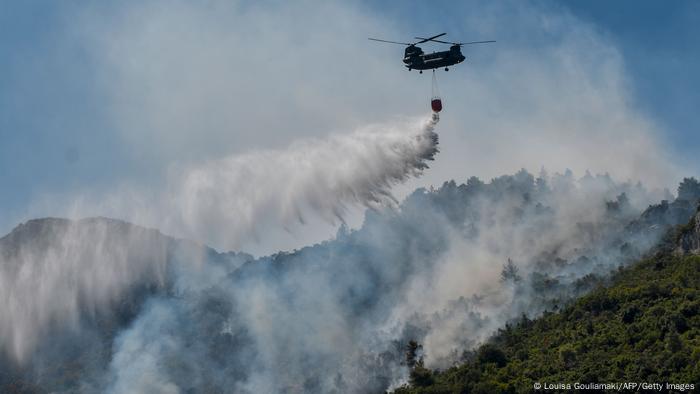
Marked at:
<point>643,326</point>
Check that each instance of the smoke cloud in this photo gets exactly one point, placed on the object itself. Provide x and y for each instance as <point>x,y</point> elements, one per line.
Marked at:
<point>333,317</point>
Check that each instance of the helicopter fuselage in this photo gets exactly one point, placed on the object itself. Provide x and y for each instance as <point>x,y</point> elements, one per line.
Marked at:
<point>415,59</point>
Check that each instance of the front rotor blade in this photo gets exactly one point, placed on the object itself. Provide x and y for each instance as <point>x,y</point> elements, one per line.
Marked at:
<point>425,39</point>
<point>390,42</point>
<point>430,39</point>
<point>455,43</point>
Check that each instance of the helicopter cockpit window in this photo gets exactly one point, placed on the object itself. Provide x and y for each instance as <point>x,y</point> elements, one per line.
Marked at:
<point>413,51</point>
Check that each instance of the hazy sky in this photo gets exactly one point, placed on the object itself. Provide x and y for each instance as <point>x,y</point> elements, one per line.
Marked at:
<point>97,95</point>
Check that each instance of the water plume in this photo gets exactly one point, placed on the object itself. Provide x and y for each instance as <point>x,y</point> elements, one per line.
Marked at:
<point>88,265</point>
<point>229,200</point>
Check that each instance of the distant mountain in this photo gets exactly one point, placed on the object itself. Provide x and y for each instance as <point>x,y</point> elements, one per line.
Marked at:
<point>68,288</point>
<point>102,305</point>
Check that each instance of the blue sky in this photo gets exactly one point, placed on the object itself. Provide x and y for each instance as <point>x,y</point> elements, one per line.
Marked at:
<point>59,132</point>
<point>660,43</point>
<point>48,110</point>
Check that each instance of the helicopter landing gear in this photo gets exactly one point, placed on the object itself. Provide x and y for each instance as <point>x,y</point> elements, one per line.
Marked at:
<point>447,69</point>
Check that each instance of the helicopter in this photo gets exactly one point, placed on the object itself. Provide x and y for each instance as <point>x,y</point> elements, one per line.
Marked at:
<point>415,59</point>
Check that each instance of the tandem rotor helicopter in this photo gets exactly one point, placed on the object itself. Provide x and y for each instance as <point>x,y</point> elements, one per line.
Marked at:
<point>415,59</point>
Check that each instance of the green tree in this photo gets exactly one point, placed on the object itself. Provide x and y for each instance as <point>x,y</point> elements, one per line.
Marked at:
<point>509,274</point>
<point>420,375</point>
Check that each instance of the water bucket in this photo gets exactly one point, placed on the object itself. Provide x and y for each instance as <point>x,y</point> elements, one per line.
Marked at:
<point>436,104</point>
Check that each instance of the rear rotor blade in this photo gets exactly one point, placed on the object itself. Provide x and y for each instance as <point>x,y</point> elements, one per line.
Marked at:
<point>390,42</point>
<point>474,42</point>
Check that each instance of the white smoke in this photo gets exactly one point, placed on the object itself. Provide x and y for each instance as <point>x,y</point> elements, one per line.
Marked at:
<point>570,221</point>
<point>334,317</point>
